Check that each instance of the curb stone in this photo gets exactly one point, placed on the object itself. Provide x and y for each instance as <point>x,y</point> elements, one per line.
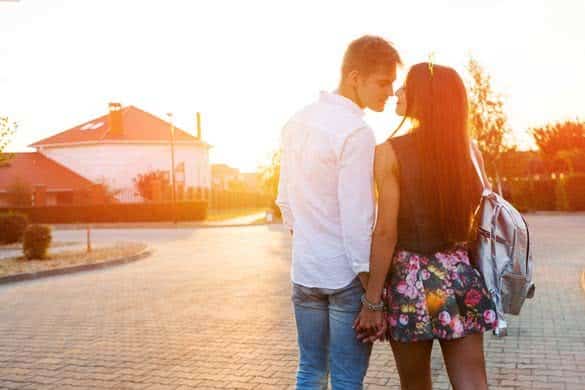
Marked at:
<point>78,268</point>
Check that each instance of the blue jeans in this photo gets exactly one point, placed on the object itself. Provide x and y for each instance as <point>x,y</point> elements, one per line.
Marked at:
<point>327,341</point>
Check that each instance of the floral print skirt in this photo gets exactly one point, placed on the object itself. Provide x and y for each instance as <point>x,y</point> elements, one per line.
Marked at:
<point>438,296</point>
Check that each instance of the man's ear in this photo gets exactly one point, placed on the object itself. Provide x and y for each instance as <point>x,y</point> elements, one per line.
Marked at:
<point>352,78</point>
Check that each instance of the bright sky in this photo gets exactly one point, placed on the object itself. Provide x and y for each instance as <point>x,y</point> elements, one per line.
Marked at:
<point>248,65</point>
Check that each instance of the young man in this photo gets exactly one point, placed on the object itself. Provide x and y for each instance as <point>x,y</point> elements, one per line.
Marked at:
<point>326,197</point>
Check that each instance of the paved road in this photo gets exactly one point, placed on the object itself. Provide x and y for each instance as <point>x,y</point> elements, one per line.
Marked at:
<point>211,309</point>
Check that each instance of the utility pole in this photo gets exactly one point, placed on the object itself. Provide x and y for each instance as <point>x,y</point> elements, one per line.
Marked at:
<point>174,189</point>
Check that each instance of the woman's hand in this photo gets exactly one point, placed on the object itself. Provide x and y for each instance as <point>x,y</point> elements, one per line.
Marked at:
<point>370,326</point>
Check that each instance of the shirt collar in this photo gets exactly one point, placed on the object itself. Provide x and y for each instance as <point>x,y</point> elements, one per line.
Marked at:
<point>339,100</point>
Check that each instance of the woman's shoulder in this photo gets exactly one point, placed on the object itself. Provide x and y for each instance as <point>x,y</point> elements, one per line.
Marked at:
<point>402,141</point>
<point>386,155</point>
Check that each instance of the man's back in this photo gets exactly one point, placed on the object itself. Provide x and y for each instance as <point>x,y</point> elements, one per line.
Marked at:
<point>326,192</point>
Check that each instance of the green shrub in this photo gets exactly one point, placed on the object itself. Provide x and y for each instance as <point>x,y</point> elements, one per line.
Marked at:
<point>543,193</point>
<point>532,193</point>
<point>37,239</point>
<point>562,202</point>
<point>12,227</point>
<point>575,191</point>
<point>518,193</point>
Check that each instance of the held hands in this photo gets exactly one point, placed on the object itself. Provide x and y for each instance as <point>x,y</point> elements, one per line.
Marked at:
<point>370,325</point>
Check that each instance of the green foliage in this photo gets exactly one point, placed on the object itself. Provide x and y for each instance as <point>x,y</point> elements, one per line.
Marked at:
<point>575,191</point>
<point>7,130</point>
<point>531,193</point>
<point>562,145</point>
<point>565,192</point>
<point>270,178</point>
<point>487,120</point>
<point>561,200</point>
<point>12,227</point>
<point>104,192</point>
<point>37,239</point>
<point>144,183</point>
<point>271,175</point>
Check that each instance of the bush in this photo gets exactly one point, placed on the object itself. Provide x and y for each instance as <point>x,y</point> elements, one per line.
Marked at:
<point>37,239</point>
<point>12,227</point>
<point>575,191</point>
<point>531,193</point>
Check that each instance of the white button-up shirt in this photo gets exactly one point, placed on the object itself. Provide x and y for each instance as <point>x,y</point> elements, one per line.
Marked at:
<point>326,191</point>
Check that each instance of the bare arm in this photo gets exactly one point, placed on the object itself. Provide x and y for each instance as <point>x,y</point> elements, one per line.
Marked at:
<point>369,324</point>
<point>385,233</point>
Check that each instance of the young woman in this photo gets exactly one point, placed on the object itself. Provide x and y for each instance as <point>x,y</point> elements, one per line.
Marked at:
<point>428,190</point>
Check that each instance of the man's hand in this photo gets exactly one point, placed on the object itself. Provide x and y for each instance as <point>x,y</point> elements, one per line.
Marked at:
<point>370,326</point>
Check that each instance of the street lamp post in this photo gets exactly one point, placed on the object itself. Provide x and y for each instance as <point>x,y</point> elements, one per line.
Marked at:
<point>174,190</point>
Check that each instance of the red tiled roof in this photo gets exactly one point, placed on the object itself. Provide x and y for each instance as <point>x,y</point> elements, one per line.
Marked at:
<point>36,169</point>
<point>138,125</point>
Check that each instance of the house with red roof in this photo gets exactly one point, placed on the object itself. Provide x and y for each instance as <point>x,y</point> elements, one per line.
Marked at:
<point>114,149</point>
<point>49,182</point>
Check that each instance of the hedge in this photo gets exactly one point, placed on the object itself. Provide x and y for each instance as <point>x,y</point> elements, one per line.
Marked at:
<point>575,191</point>
<point>531,193</point>
<point>116,212</point>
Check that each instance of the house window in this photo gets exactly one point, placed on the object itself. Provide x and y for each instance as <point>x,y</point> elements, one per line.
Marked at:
<point>64,198</point>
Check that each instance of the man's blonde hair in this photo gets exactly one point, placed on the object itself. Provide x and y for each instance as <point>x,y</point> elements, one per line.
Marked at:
<point>369,54</point>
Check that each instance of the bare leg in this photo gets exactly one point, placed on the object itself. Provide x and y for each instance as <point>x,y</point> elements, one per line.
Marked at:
<point>413,361</point>
<point>465,362</point>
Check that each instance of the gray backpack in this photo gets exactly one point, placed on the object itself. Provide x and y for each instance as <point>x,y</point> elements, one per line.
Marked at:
<point>501,252</point>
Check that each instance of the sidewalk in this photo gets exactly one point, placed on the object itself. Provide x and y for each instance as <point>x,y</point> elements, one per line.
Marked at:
<point>211,309</point>
<point>251,219</point>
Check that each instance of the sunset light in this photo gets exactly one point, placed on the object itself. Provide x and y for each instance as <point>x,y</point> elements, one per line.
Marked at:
<point>246,66</point>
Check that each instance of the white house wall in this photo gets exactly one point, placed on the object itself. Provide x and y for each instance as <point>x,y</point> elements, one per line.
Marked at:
<point>119,164</point>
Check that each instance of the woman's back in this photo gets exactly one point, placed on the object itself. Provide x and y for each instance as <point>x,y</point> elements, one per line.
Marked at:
<point>419,225</point>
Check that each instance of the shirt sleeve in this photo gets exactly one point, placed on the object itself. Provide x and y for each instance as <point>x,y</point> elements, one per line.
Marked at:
<point>282,199</point>
<point>356,197</point>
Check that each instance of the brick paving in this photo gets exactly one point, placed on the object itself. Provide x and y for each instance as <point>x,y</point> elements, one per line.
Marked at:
<point>211,309</point>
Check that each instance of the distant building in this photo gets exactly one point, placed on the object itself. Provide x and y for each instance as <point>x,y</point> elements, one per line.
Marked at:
<point>115,148</point>
<point>226,178</point>
<point>49,182</point>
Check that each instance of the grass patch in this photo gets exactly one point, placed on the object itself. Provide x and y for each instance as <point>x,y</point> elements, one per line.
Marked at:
<point>66,259</point>
<point>56,244</point>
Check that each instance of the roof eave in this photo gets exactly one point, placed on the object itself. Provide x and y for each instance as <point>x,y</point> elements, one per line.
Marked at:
<point>98,142</point>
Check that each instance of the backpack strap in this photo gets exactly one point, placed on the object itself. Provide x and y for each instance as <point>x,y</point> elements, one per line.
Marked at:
<point>476,166</point>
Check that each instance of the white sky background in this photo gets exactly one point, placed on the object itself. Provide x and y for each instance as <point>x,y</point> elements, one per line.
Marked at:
<point>248,65</point>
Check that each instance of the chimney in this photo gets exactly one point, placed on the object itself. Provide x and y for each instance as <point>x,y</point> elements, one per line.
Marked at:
<point>115,119</point>
<point>199,126</point>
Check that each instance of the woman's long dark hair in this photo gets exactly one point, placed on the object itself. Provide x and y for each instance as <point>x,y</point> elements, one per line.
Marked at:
<point>436,103</point>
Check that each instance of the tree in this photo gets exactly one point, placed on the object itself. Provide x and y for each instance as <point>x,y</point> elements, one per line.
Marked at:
<point>487,120</point>
<point>144,183</point>
<point>104,192</point>
<point>270,178</point>
<point>562,145</point>
<point>7,130</point>
<point>271,175</point>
